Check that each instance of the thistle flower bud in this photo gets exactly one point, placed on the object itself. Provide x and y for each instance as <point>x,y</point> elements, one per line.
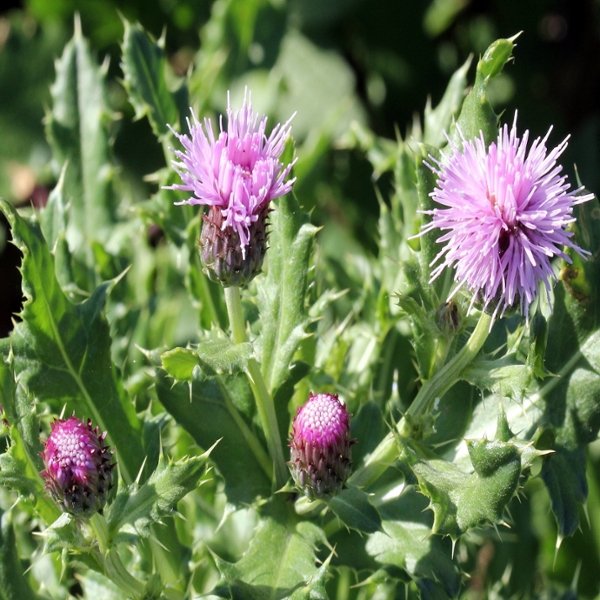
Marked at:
<point>320,461</point>
<point>236,173</point>
<point>78,465</point>
<point>223,257</point>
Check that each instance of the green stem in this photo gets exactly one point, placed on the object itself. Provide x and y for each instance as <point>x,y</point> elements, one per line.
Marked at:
<point>100,528</point>
<point>386,452</point>
<point>264,402</point>
<point>118,574</point>
<point>450,373</point>
<point>113,566</point>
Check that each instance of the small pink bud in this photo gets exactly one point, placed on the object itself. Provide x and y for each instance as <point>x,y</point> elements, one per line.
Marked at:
<point>78,465</point>
<point>320,461</point>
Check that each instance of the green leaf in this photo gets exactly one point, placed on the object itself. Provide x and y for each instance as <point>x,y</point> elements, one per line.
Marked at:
<point>62,351</point>
<point>13,582</point>
<point>180,363</point>
<point>144,65</point>
<point>352,506</point>
<point>20,464</point>
<point>410,546</point>
<point>228,401</point>
<point>461,500</point>
<point>78,130</point>
<point>437,121</point>
<point>65,533</point>
<point>137,508</point>
<point>281,293</point>
<point>220,355</point>
<point>572,397</point>
<point>279,561</point>
<point>504,376</point>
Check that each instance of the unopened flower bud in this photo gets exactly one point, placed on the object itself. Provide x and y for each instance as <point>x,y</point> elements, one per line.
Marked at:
<point>223,256</point>
<point>320,461</point>
<point>78,466</point>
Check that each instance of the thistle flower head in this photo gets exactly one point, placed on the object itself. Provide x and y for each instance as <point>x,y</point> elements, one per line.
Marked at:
<point>78,466</point>
<point>320,445</point>
<point>504,216</point>
<point>237,174</point>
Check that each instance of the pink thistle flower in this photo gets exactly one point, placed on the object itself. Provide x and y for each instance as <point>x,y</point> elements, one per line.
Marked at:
<point>236,174</point>
<point>320,443</point>
<point>506,213</point>
<point>78,466</point>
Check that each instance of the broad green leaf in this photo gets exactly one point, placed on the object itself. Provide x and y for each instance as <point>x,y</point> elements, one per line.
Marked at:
<point>352,506</point>
<point>212,409</point>
<point>78,128</point>
<point>136,508</point>
<point>144,65</point>
<point>13,581</point>
<point>282,291</point>
<point>280,560</point>
<point>62,351</point>
<point>220,355</point>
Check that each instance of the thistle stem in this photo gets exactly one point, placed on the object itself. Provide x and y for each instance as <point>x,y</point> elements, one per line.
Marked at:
<point>450,373</point>
<point>113,567</point>
<point>119,575</point>
<point>386,452</point>
<point>264,402</point>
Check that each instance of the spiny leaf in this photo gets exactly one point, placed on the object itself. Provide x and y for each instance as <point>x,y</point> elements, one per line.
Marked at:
<point>410,546</point>
<point>281,293</point>
<point>62,351</point>
<point>215,354</point>
<point>240,455</point>
<point>280,559</point>
<point>136,508</point>
<point>77,128</point>
<point>461,500</point>
<point>144,66</point>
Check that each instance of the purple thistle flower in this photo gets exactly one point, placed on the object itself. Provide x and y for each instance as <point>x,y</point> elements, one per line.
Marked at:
<point>78,465</point>
<point>506,210</point>
<point>236,174</point>
<point>320,460</point>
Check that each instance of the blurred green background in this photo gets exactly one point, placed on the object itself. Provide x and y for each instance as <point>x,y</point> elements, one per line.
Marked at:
<point>334,62</point>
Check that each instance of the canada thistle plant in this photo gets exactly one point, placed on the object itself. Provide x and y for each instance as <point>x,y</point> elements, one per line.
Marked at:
<point>320,461</point>
<point>78,466</point>
<point>236,175</point>
<point>505,212</point>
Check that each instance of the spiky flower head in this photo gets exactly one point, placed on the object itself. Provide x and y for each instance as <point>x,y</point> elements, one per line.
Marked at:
<point>505,213</point>
<point>320,460</point>
<point>78,466</point>
<point>236,175</point>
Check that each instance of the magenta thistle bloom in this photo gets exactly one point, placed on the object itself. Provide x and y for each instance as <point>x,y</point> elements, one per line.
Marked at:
<point>78,465</point>
<point>506,210</point>
<point>320,445</point>
<point>236,174</point>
